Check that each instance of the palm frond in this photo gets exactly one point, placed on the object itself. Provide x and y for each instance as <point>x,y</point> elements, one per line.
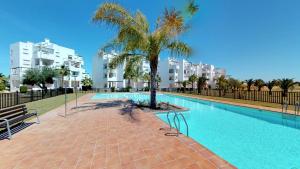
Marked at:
<point>178,48</point>
<point>112,14</point>
<point>192,7</point>
<point>172,22</point>
<point>117,60</point>
<point>113,45</point>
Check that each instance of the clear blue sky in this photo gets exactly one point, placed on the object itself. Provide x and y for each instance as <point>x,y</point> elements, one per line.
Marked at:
<point>250,38</point>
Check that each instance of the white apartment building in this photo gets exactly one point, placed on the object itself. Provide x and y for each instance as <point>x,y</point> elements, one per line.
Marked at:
<point>28,55</point>
<point>173,71</point>
<point>103,77</point>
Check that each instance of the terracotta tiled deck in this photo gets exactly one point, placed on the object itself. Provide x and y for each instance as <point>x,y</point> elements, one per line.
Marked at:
<point>98,136</point>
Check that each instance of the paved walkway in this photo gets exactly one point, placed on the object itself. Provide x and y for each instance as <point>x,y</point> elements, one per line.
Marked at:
<point>98,135</point>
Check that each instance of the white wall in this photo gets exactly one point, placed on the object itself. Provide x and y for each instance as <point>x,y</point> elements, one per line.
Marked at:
<point>27,55</point>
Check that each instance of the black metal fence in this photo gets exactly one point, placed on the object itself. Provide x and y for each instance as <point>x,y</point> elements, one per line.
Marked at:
<point>253,95</point>
<point>15,98</point>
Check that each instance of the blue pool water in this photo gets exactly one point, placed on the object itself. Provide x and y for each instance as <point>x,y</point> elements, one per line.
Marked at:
<point>247,138</point>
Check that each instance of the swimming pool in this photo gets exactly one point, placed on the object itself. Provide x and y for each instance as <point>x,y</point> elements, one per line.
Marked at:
<point>247,138</point>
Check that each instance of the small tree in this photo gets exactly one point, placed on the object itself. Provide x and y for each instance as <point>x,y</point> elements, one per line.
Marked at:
<point>271,84</point>
<point>259,83</point>
<point>40,77</point>
<point>285,84</point>
<point>146,78</point>
<point>184,84</point>
<point>132,69</point>
<point>63,71</point>
<point>87,83</point>
<point>192,80</point>
<point>249,82</point>
<point>3,82</point>
<point>201,83</point>
<point>222,84</point>
<point>234,83</point>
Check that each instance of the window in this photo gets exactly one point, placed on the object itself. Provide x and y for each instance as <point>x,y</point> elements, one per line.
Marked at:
<point>171,78</point>
<point>105,75</point>
<point>112,75</point>
<point>171,70</point>
<point>105,66</point>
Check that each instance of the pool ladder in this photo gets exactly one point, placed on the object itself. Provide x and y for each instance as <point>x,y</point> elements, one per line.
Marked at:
<point>176,124</point>
<point>285,113</point>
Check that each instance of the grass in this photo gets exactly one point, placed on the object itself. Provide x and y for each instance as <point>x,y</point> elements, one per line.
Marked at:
<point>256,103</point>
<point>45,105</point>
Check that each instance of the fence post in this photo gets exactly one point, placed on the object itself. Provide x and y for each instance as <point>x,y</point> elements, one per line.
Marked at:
<point>17,97</point>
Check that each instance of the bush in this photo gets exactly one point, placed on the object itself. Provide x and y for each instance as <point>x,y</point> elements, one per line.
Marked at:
<point>2,86</point>
<point>112,89</point>
<point>127,89</point>
<point>23,89</point>
<point>146,89</point>
<point>86,88</point>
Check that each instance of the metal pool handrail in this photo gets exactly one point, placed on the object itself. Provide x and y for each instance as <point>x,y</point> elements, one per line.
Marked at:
<point>177,124</point>
<point>186,125</point>
<point>297,108</point>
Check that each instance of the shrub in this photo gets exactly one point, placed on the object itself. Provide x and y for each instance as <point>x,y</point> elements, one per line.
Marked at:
<point>2,86</point>
<point>127,89</point>
<point>146,88</point>
<point>23,89</point>
<point>112,89</point>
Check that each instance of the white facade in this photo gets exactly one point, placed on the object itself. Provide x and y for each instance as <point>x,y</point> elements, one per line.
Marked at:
<point>28,55</point>
<point>170,70</point>
<point>103,77</point>
<point>173,71</point>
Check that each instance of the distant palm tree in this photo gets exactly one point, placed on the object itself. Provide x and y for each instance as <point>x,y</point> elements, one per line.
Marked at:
<point>234,83</point>
<point>146,78</point>
<point>259,83</point>
<point>222,84</point>
<point>184,84</point>
<point>249,82</point>
<point>135,39</point>
<point>132,70</point>
<point>192,80</point>
<point>201,83</point>
<point>271,84</point>
<point>285,84</point>
<point>63,71</point>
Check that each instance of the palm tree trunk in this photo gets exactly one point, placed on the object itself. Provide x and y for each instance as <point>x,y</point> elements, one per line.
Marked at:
<point>153,72</point>
<point>128,82</point>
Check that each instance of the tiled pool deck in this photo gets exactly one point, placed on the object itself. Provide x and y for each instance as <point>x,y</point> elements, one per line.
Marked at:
<point>98,136</point>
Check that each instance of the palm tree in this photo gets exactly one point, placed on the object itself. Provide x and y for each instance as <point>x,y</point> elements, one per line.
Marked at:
<point>234,83</point>
<point>192,80</point>
<point>132,69</point>
<point>63,71</point>
<point>146,78</point>
<point>2,82</point>
<point>158,80</point>
<point>271,84</point>
<point>201,83</point>
<point>222,84</point>
<point>259,83</point>
<point>87,83</point>
<point>285,84</point>
<point>134,38</point>
<point>184,84</point>
<point>249,82</point>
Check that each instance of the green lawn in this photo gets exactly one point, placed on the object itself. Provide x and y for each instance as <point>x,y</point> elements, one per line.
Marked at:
<point>48,104</point>
<point>257,103</point>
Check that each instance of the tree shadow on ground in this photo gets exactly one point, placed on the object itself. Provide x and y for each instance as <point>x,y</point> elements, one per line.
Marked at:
<point>127,108</point>
<point>15,129</point>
